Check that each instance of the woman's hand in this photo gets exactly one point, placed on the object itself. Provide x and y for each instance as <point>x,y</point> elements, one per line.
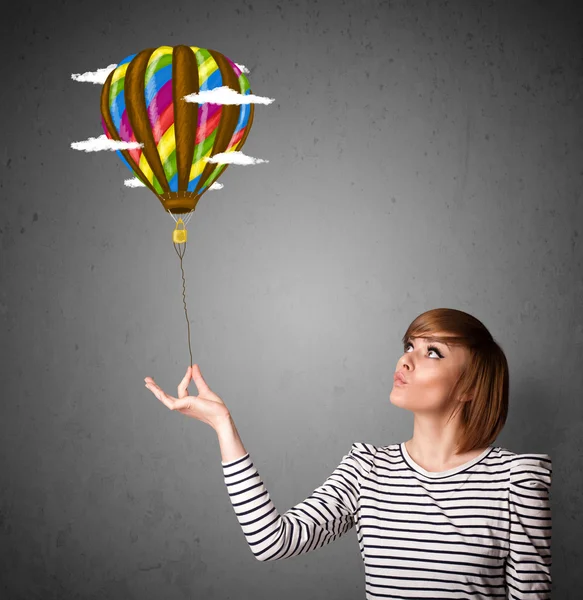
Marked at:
<point>206,407</point>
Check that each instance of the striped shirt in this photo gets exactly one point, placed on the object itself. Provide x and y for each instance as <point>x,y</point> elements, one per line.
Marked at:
<point>479,530</point>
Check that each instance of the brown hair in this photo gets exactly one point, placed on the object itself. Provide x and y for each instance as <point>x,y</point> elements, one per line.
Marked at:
<point>485,379</point>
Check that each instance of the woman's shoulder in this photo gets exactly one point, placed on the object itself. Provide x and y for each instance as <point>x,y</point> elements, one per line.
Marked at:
<point>525,460</point>
<point>528,467</point>
<point>364,448</point>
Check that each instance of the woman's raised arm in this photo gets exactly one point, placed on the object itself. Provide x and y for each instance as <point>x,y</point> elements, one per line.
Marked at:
<point>329,512</point>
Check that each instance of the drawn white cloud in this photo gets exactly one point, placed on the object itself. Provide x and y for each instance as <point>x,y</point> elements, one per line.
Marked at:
<point>100,76</point>
<point>135,183</point>
<point>234,158</point>
<point>104,143</point>
<point>226,95</point>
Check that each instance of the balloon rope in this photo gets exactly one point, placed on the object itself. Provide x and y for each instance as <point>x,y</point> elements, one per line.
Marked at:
<point>180,255</point>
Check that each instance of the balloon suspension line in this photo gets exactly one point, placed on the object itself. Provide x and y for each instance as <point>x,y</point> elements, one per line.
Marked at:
<point>179,237</point>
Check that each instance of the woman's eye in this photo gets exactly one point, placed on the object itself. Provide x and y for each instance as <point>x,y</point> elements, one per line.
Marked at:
<point>430,349</point>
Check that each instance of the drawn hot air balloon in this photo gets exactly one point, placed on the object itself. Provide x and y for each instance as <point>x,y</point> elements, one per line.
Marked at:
<point>142,101</point>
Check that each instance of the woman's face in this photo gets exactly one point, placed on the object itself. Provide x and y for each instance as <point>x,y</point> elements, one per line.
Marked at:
<point>430,370</point>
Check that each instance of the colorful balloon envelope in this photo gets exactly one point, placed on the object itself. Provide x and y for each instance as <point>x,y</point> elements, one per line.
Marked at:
<point>142,101</point>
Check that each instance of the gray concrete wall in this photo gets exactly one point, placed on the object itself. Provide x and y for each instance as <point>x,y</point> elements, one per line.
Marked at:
<point>422,155</point>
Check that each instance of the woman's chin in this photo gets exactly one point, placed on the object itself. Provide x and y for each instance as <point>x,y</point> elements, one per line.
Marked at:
<point>396,397</point>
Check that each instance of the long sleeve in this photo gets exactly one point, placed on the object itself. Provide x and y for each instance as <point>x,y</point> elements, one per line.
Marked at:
<point>528,564</point>
<point>320,519</point>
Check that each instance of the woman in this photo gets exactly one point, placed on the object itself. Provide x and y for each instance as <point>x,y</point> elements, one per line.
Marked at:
<point>442,515</point>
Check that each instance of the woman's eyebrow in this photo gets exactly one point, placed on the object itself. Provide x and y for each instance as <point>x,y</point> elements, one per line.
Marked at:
<point>427,341</point>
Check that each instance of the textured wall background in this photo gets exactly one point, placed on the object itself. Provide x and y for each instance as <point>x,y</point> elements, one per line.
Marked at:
<point>422,155</point>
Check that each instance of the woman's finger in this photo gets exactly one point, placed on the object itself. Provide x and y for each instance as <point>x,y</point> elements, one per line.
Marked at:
<point>161,395</point>
<point>183,385</point>
<point>200,383</point>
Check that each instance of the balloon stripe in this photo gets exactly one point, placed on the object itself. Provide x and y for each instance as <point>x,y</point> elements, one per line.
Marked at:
<point>192,184</point>
<point>236,138</point>
<point>157,81</point>
<point>117,108</point>
<point>116,94</point>
<point>199,166</point>
<point>207,126</point>
<point>214,80</point>
<point>115,90</point>
<point>166,144</point>
<point>166,119</point>
<point>118,84</point>
<point>243,118</point>
<point>160,101</point>
<point>158,72</point>
<point>173,183</point>
<point>205,69</point>
<point>211,131</point>
<point>126,132</point>
<point>158,187</point>
<point>207,145</point>
<point>119,73</point>
<point>127,59</point>
<point>167,153</point>
<point>185,69</point>
<point>161,112</point>
<point>205,148</point>
<point>210,111</point>
<point>149,174</point>
<point>170,168</point>
<point>160,58</point>
<point>244,84</point>
<point>203,132</point>
<point>197,169</point>
<point>235,68</point>
<point>201,129</point>
<point>146,169</point>
<point>136,153</point>
<point>159,108</point>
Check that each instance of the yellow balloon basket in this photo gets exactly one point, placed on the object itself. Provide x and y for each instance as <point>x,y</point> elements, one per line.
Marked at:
<point>180,236</point>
